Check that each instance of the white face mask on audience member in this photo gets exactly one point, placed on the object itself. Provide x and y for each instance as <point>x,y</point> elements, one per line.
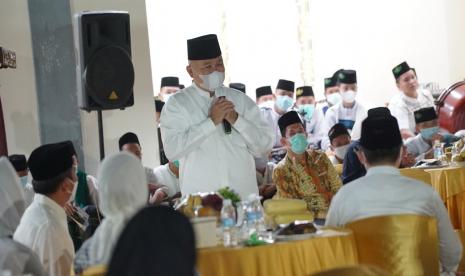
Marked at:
<point>122,192</point>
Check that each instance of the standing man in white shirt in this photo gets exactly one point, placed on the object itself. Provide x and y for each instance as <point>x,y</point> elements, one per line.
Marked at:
<point>43,226</point>
<point>349,112</point>
<point>312,117</point>
<point>410,99</point>
<point>384,191</point>
<point>332,94</point>
<point>20,164</point>
<point>213,131</point>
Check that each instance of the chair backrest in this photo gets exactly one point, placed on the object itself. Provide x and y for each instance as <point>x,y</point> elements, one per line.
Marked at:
<point>399,244</point>
<point>97,270</point>
<point>461,268</point>
<point>359,270</point>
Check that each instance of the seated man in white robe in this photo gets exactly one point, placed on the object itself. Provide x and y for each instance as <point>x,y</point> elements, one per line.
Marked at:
<point>384,191</point>
<point>340,141</point>
<point>20,164</point>
<point>421,145</point>
<point>168,176</point>
<point>214,131</point>
<point>43,227</point>
<point>15,258</point>
<point>129,142</point>
<point>349,112</point>
<point>410,98</point>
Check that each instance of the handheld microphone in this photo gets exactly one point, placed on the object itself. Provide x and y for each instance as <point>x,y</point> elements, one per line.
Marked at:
<point>226,124</point>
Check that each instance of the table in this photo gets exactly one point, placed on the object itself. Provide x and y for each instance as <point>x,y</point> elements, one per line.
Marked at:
<point>334,249</point>
<point>449,182</point>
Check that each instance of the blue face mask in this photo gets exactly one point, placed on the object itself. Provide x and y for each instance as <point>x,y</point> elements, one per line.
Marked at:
<point>427,133</point>
<point>23,180</point>
<point>307,111</point>
<point>284,102</point>
<point>176,163</point>
<point>299,143</point>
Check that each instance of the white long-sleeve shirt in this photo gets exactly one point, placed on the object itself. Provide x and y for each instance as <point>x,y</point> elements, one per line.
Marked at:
<point>384,191</point>
<point>403,107</point>
<point>44,229</point>
<point>210,158</point>
<point>271,117</point>
<point>167,178</point>
<point>351,118</point>
<point>314,127</point>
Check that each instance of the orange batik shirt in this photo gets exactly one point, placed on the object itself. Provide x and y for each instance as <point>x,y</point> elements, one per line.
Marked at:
<point>313,179</point>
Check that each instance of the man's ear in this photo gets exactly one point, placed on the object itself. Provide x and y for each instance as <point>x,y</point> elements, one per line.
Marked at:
<point>284,141</point>
<point>361,157</point>
<point>189,71</point>
<point>66,185</point>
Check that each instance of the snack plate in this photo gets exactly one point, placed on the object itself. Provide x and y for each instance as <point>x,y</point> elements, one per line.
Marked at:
<point>298,237</point>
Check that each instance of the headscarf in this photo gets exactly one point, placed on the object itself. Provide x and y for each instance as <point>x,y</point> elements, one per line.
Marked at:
<point>122,192</point>
<point>12,203</point>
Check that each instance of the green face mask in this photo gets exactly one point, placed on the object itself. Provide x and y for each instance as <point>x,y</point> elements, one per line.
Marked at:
<point>299,143</point>
<point>176,163</point>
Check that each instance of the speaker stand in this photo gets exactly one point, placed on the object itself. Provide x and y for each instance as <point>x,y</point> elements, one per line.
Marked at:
<point>100,135</point>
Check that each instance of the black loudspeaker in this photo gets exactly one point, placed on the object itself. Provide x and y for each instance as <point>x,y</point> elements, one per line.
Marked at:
<point>105,74</point>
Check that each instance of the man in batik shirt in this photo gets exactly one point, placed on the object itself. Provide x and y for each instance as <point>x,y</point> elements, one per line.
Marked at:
<point>303,173</point>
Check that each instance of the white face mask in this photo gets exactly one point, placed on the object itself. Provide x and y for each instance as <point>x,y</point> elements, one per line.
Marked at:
<point>334,98</point>
<point>212,81</point>
<point>23,180</point>
<point>267,104</point>
<point>348,96</point>
<point>166,97</point>
<point>341,151</point>
<point>75,184</point>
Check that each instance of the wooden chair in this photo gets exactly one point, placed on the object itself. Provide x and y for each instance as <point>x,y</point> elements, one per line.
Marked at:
<point>399,244</point>
<point>97,270</point>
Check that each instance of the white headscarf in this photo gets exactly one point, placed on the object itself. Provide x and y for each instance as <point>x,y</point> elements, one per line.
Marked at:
<point>122,192</point>
<point>12,203</point>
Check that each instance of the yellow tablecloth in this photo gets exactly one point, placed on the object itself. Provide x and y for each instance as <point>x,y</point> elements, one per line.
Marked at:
<point>450,184</point>
<point>282,258</point>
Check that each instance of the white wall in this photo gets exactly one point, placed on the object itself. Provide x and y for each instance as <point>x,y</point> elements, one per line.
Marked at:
<point>17,86</point>
<point>259,37</point>
<point>374,36</point>
<point>140,118</point>
<point>368,36</point>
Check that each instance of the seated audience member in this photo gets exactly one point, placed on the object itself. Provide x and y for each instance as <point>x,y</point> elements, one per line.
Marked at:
<point>311,116</point>
<point>43,227</point>
<point>332,94</point>
<point>168,176</point>
<point>122,192</point>
<point>20,164</point>
<point>411,97</point>
<point>168,87</point>
<point>339,139</point>
<point>157,241</point>
<point>421,146</point>
<point>304,174</point>
<point>353,168</point>
<point>264,97</point>
<point>384,191</point>
<point>15,258</point>
<point>129,142</point>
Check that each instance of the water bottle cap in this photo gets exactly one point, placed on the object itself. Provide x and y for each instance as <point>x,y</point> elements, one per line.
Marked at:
<point>227,202</point>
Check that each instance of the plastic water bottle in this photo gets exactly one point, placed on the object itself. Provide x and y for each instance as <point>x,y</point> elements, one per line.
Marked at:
<point>228,219</point>
<point>254,215</point>
<point>437,149</point>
